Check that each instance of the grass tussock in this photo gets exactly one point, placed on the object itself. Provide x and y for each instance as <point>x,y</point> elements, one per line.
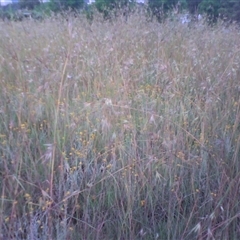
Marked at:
<point>119,130</point>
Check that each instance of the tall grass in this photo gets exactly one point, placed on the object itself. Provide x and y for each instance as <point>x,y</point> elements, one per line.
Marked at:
<point>119,130</point>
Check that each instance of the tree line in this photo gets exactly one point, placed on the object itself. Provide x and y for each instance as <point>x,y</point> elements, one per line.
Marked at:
<point>214,9</point>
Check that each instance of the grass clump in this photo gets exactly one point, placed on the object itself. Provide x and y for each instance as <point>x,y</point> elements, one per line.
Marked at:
<point>126,130</point>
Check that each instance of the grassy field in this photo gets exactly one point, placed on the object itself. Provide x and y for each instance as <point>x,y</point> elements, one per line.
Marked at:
<point>123,130</point>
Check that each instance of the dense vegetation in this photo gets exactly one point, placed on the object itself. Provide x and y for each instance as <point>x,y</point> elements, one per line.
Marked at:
<point>119,130</point>
<point>225,9</point>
